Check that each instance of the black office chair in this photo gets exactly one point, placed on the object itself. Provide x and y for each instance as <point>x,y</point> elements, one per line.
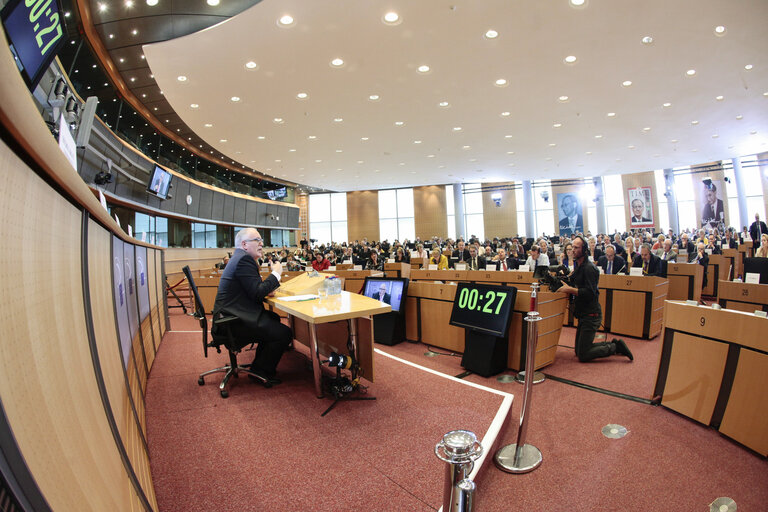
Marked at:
<point>221,334</point>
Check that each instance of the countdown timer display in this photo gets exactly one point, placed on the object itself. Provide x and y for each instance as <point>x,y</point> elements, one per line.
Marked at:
<point>483,307</point>
<point>35,33</point>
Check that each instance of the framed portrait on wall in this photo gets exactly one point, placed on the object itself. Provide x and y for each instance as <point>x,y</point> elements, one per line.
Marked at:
<point>713,211</point>
<point>640,207</point>
<point>570,213</point>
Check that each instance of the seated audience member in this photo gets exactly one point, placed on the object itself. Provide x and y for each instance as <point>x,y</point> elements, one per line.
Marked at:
<point>536,258</point>
<point>502,261</point>
<point>241,293</point>
<point>594,251</point>
<point>461,252</point>
<point>516,250</point>
<point>320,263</point>
<point>659,245</point>
<point>438,259</point>
<point>420,252</point>
<point>649,262</point>
<point>401,256</point>
<point>566,257</point>
<point>729,240</point>
<point>222,263</point>
<point>631,252</point>
<point>762,251</point>
<point>546,250</point>
<point>618,246</point>
<point>291,264</point>
<point>713,246</point>
<point>330,257</point>
<point>374,262</point>
<point>475,262</point>
<point>489,254</point>
<point>667,253</point>
<point>612,263</point>
<point>684,244</point>
<point>700,257</point>
<point>701,236</point>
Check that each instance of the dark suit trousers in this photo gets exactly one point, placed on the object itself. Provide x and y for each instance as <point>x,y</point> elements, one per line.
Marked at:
<point>586,350</point>
<point>273,338</point>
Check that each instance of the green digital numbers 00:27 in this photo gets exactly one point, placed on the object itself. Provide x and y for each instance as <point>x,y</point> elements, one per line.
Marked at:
<point>471,299</point>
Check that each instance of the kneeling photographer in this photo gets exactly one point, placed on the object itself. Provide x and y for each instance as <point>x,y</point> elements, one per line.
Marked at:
<point>583,286</point>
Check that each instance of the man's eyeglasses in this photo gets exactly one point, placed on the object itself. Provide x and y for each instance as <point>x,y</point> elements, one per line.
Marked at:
<point>260,240</point>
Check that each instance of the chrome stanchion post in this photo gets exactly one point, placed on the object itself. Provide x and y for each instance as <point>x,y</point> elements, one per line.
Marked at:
<point>538,377</point>
<point>521,457</point>
<point>460,449</point>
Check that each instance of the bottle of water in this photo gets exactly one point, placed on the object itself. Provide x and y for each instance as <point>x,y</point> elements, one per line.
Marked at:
<point>337,285</point>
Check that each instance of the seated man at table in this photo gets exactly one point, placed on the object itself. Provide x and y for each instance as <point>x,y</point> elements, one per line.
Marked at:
<point>650,263</point>
<point>667,253</point>
<point>611,263</point>
<point>700,257</point>
<point>502,261</point>
<point>241,293</point>
<point>476,262</point>
<point>461,253</point>
<point>536,258</point>
<point>684,244</point>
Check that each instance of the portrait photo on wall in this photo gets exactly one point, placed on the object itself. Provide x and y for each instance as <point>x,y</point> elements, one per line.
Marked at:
<point>640,207</point>
<point>713,211</point>
<point>570,214</point>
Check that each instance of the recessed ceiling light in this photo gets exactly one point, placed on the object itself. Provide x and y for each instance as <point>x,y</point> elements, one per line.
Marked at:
<point>552,144</point>
<point>111,36</point>
<point>611,114</point>
<point>399,123</point>
<point>507,136</point>
<point>765,94</point>
<point>505,114</point>
<point>443,104</point>
<point>748,67</point>
<point>261,137</point>
<point>235,98</point>
<point>208,125</point>
<point>739,117</point>
<point>152,2</point>
<point>391,18</point>
<point>570,59</point>
<point>674,141</point>
<point>430,156</point>
<point>337,119</point>
<point>501,82</point>
<point>647,40</point>
<point>374,97</point>
<point>548,159</point>
<point>666,105</point>
<point>562,99</point>
<point>491,34</point>
<point>360,161</point>
<point>278,120</point>
<point>251,65</point>
<point>631,146</point>
<point>133,79</point>
<point>626,83</point>
<point>690,72</point>
<point>134,32</point>
<point>588,153</point>
<point>312,137</point>
<point>557,125</point>
<point>143,57</point>
<point>223,140</point>
<point>285,20</point>
<point>719,98</point>
<point>598,136</point>
<point>337,62</point>
<point>318,161</point>
<point>510,152</point>
<point>694,123</point>
<point>647,129</point>
<point>212,3</point>
<point>302,95</point>
<point>578,3</point>
<point>423,68</point>
<point>292,150</point>
<point>181,78</point>
<point>339,150</point>
<point>457,128</point>
<point>720,30</point>
<point>122,60</point>
<point>714,136</point>
<point>466,147</point>
<point>417,142</point>
<point>364,138</point>
<point>102,7</point>
<point>194,105</point>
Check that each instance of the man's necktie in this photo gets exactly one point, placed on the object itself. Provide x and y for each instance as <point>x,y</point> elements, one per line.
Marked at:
<point>610,267</point>
<point>645,268</point>
<point>503,265</point>
<point>474,264</point>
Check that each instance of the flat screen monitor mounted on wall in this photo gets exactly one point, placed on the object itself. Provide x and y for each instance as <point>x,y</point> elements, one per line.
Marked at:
<point>160,182</point>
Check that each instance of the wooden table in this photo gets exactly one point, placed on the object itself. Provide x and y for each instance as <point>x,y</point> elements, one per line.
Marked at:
<point>743,296</point>
<point>633,305</point>
<point>510,277</point>
<point>354,279</point>
<point>714,369</point>
<point>685,280</point>
<point>735,260</point>
<point>397,269</point>
<point>306,316</point>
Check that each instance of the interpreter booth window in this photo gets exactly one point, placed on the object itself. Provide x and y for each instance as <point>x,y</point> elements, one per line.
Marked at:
<point>450,207</point>
<point>686,204</point>
<point>753,187</point>
<point>543,213</point>
<point>151,229</point>
<point>661,188</point>
<point>613,190</point>
<point>396,221</point>
<point>474,224</point>
<point>328,217</point>
<point>203,236</point>
<point>520,202</point>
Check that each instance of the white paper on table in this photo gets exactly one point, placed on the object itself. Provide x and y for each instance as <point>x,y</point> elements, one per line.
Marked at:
<point>432,267</point>
<point>332,267</point>
<point>752,277</point>
<point>524,268</point>
<point>460,266</point>
<point>295,298</point>
<point>391,260</point>
<point>636,271</point>
<point>357,267</point>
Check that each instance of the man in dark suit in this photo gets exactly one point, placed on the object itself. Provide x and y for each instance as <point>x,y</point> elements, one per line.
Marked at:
<point>650,263</point>
<point>503,262</point>
<point>713,212</point>
<point>756,229</point>
<point>702,258</point>
<point>572,221</point>
<point>382,294</point>
<point>611,263</point>
<point>241,293</point>
<point>667,253</point>
<point>461,252</point>
<point>638,208</point>
<point>475,261</point>
<point>684,244</point>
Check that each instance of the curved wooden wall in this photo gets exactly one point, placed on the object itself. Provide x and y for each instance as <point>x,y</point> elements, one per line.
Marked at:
<point>71,403</point>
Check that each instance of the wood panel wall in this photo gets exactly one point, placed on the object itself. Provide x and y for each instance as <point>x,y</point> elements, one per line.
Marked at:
<point>363,215</point>
<point>640,179</point>
<point>501,220</point>
<point>430,210</point>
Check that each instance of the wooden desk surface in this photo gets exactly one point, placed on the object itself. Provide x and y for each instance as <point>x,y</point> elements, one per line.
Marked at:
<point>331,309</point>
<point>743,296</point>
<point>685,281</point>
<point>631,283</point>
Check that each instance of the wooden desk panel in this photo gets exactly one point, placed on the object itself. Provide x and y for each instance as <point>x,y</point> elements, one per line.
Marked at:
<point>439,275</point>
<point>732,258</point>
<point>435,329</point>
<point>745,418</point>
<point>685,280</point>
<point>718,269</point>
<point>743,296</point>
<point>627,313</point>
<point>632,305</point>
<point>397,269</point>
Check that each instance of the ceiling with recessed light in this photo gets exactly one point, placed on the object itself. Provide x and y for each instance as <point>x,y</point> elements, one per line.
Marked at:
<point>354,95</point>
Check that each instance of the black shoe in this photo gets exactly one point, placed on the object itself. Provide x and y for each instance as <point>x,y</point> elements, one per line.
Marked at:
<point>622,348</point>
<point>264,380</point>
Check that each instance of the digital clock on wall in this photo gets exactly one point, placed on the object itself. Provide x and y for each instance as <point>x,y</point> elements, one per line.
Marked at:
<point>483,307</point>
<point>35,33</point>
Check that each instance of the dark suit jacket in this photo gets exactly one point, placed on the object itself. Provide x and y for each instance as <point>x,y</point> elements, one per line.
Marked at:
<point>481,265</point>
<point>597,254</point>
<point>755,230</point>
<point>641,220</point>
<point>690,247</point>
<point>706,213</point>
<point>242,291</point>
<point>565,226</point>
<point>618,263</point>
<point>463,256</point>
<point>512,263</point>
<point>387,297</point>
<point>655,268</point>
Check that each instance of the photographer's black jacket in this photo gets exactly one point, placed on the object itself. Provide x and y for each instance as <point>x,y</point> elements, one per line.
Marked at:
<point>585,278</point>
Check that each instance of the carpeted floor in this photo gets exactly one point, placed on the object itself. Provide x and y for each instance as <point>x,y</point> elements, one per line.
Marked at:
<point>270,450</point>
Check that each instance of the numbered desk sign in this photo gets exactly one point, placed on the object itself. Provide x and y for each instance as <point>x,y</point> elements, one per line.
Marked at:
<point>391,260</point>
<point>357,267</point>
<point>636,271</point>
<point>460,266</point>
<point>752,278</point>
<point>524,268</point>
<point>431,266</point>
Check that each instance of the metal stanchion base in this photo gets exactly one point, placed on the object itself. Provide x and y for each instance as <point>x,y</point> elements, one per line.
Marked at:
<point>537,377</point>
<point>506,378</point>
<point>530,458</point>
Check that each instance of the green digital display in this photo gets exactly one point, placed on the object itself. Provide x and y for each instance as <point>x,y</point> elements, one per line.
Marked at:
<point>483,307</point>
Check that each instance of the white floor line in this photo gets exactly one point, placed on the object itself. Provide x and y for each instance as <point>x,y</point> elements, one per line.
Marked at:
<point>498,420</point>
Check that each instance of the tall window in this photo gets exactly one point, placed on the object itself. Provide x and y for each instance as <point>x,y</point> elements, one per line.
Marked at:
<point>615,219</point>
<point>451,209</point>
<point>203,235</point>
<point>686,203</point>
<point>396,215</point>
<point>661,189</point>
<point>328,217</point>
<point>753,187</point>
<point>543,214</point>
<point>520,202</point>
<point>473,212</point>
